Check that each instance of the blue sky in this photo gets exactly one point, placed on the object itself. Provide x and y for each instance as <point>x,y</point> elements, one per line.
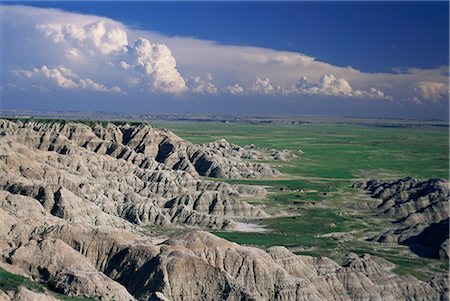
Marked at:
<point>387,59</point>
<point>370,36</point>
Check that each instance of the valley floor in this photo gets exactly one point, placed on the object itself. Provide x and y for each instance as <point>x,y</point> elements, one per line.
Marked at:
<point>319,213</point>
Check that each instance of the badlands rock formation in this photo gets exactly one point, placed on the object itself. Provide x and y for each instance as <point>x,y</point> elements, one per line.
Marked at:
<point>76,203</point>
<point>119,264</point>
<point>420,210</point>
<point>226,149</point>
<point>112,174</point>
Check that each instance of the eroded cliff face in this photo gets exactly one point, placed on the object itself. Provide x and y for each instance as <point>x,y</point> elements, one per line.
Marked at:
<point>120,264</point>
<point>76,200</point>
<point>420,210</point>
<point>113,175</point>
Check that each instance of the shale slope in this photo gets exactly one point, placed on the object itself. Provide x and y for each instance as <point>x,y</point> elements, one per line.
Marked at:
<point>77,201</point>
<point>420,213</point>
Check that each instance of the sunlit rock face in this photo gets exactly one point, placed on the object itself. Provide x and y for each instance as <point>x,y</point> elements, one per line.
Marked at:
<point>115,175</point>
<point>420,210</point>
<point>77,200</point>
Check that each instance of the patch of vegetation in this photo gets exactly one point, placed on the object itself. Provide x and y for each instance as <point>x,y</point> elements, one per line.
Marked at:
<point>304,230</point>
<point>12,282</point>
<point>9,281</point>
<point>343,151</point>
<point>316,189</point>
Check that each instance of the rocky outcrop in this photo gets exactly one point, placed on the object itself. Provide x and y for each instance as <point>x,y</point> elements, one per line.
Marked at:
<point>117,175</point>
<point>25,294</point>
<point>420,210</point>
<point>66,270</point>
<point>441,283</point>
<point>142,145</point>
<point>122,264</point>
<point>224,148</point>
<point>77,202</point>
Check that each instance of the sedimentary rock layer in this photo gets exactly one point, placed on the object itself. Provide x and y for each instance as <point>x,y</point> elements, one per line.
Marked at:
<point>120,264</point>
<point>76,201</point>
<point>420,210</point>
<point>110,175</point>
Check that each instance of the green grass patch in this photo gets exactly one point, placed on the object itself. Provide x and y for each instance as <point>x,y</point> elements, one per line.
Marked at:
<point>12,282</point>
<point>334,156</point>
<point>304,230</point>
<point>9,281</point>
<point>337,150</point>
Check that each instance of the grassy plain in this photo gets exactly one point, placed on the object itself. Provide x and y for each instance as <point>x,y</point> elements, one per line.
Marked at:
<point>342,151</point>
<point>320,220</point>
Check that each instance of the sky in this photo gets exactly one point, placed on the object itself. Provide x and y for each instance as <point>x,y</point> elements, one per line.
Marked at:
<point>361,59</point>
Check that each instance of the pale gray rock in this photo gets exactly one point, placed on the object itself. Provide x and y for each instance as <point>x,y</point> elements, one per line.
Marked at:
<point>110,263</point>
<point>25,294</point>
<point>54,262</point>
<point>420,210</point>
<point>108,175</point>
<point>4,296</point>
<point>226,149</point>
<point>142,145</point>
<point>76,200</point>
<point>441,283</point>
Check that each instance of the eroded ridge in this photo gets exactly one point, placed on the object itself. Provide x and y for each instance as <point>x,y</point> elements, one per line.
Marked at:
<point>76,201</point>
<point>119,264</point>
<point>111,175</point>
<point>420,210</point>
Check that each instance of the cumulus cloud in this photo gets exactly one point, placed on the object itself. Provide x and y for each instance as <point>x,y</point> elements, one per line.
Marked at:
<point>97,36</point>
<point>66,79</point>
<point>100,50</point>
<point>154,61</point>
<point>145,59</point>
<point>262,86</point>
<point>105,42</point>
<point>235,89</point>
<point>433,91</point>
<point>242,64</point>
<point>331,85</point>
<point>201,86</point>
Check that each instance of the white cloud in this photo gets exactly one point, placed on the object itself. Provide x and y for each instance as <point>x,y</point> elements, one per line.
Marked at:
<point>331,85</point>
<point>57,75</point>
<point>101,46</point>
<point>235,89</point>
<point>101,38</point>
<point>97,36</point>
<point>433,91</point>
<point>101,50</point>
<point>209,76</point>
<point>133,81</point>
<point>242,64</point>
<point>125,65</point>
<point>66,79</point>
<point>203,87</point>
<point>156,62</point>
<point>40,88</point>
<point>262,86</point>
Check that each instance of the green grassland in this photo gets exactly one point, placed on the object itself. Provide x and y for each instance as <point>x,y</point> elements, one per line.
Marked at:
<point>342,151</point>
<point>313,199</point>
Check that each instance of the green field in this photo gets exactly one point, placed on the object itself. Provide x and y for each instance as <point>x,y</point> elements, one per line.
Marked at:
<point>337,150</point>
<point>334,156</point>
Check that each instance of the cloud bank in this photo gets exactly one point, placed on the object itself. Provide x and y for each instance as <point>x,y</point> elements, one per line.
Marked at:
<point>66,79</point>
<point>50,49</point>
